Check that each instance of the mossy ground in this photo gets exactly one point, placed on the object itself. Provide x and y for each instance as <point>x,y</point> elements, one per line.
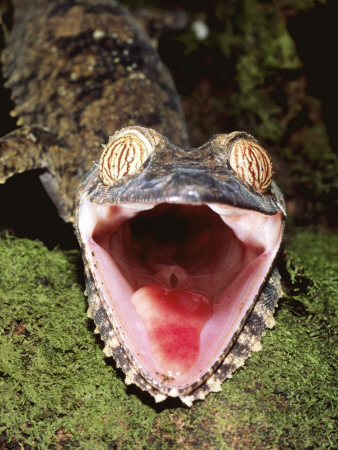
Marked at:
<point>58,391</point>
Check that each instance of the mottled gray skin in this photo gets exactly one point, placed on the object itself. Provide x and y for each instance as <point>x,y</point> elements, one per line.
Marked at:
<point>186,175</point>
<point>80,70</point>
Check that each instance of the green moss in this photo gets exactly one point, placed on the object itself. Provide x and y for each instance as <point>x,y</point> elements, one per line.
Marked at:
<point>262,45</point>
<point>57,388</point>
<point>54,380</point>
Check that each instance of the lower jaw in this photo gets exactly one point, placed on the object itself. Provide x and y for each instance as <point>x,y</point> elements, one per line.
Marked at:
<point>170,344</point>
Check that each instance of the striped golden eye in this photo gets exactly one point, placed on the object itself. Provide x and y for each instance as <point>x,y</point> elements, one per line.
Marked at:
<point>251,163</point>
<point>123,156</point>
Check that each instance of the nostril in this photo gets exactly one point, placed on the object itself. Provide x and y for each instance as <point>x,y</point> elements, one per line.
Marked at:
<point>173,277</point>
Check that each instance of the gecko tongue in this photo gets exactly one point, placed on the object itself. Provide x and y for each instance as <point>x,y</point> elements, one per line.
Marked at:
<point>174,320</point>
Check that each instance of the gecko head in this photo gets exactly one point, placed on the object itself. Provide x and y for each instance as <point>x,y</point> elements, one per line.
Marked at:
<point>178,244</point>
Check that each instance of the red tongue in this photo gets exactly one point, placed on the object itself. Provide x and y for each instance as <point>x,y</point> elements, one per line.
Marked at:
<point>174,320</point>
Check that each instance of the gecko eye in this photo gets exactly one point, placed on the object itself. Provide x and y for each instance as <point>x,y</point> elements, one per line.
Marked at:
<point>252,164</point>
<point>123,156</point>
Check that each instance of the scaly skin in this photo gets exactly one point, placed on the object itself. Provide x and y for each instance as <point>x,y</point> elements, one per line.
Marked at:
<point>77,73</point>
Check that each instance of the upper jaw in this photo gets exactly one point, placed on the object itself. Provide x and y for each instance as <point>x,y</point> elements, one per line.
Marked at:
<point>181,185</point>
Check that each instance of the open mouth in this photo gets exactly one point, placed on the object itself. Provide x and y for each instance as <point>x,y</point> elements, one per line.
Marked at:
<point>178,279</point>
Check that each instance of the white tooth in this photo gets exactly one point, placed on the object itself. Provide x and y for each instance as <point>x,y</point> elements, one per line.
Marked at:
<point>225,210</point>
<point>139,206</point>
<point>102,212</point>
<point>87,218</point>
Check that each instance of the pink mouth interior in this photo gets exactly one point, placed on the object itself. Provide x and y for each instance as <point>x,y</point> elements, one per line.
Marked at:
<point>174,341</point>
<point>178,278</point>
